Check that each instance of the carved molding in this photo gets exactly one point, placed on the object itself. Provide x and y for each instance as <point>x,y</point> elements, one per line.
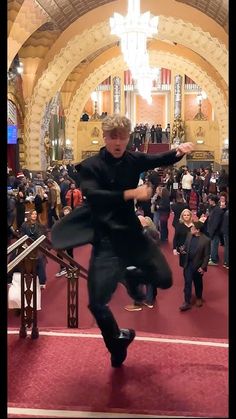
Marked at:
<point>30,17</point>
<point>84,44</point>
<point>185,33</point>
<point>171,61</point>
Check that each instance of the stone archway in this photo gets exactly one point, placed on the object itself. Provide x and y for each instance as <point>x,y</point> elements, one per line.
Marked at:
<point>162,59</point>
<point>78,49</point>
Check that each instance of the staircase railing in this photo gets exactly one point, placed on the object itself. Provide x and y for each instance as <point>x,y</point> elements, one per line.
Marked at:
<point>27,266</point>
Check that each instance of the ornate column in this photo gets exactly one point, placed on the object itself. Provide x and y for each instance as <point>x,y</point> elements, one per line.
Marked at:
<point>117,92</point>
<point>178,96</point>
<point>178,134</point>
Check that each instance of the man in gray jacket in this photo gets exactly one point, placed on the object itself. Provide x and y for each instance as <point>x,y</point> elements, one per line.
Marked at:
<point>197,252</point>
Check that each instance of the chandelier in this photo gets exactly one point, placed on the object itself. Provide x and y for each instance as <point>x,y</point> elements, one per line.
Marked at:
<point>134,29</point>
<point>145,77</point>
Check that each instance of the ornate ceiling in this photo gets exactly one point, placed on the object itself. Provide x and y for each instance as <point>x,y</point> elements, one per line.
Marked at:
<point>65,12</point>
<point>66,45</point>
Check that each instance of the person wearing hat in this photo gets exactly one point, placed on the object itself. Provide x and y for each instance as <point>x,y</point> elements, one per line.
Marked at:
<point>197,251</point>
<point>214,222</point>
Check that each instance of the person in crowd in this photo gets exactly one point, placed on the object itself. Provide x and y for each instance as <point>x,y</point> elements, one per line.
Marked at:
<point>212,184</point>
<point>225,232</point>
<point>64,185</point>
<point>197,186</point>
<point>20,206</point>
<point>153,131</point>
<point>154,178</point>
<point>181,231</point>
<point>159,133</point>
<point>142,298</point>
<point>223,203</point>
<point>164,211</point>
<point>108,182</point>
<point>52,202</point>
<point>206,180</point>
<point>74,196</point>
<point>223,181</point>
<point>214,222</point>
<point>168,183</point>
<point>65,211</point>
<point>34,229</point>
<point>197,252</point>
<point>177,207</point>
<point>155,200</point>
<point>11,209</point>
<point>187,181</point>
<point>39,198</point>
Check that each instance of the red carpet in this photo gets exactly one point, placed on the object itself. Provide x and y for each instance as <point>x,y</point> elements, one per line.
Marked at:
<point>158,377</point>
<point>210,321</point>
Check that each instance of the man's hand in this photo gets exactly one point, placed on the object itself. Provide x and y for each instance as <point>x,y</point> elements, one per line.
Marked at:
<point>184,148</point>
<point>201,271</point>
<point>141,193</point>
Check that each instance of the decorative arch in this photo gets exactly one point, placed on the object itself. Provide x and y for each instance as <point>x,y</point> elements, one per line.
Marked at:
<point>84,44</point>
<point>162,59</point>
<point>29,18</point>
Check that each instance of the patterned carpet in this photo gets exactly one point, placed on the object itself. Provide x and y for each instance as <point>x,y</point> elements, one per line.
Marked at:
<point>161,376</point>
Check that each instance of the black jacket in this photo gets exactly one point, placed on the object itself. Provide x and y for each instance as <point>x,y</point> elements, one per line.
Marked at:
<point>214,221</point>
<point>103,180</point>
<point>202,254</point>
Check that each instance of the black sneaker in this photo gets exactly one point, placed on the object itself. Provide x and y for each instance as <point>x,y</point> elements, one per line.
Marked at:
<point>122,343</point>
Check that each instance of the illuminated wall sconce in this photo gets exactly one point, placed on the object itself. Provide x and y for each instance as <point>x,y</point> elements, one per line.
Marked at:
<point>200,141</point>
<point>94,141</point>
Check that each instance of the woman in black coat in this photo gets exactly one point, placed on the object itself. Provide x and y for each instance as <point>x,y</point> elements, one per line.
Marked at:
<point>181,232</point>
<point>178,207</point>
<point>34,230</point>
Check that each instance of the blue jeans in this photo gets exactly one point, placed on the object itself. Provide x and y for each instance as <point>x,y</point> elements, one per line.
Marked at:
<point>215,241</point>
<point>156,219</point>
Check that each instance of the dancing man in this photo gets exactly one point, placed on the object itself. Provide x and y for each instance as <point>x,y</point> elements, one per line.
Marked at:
<point>109,182</point>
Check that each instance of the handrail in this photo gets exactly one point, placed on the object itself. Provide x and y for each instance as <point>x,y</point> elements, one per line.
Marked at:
<point>25,253</point>
<point>66,256</point>
<point>72,263</point>
<point>14,246</point>
<point>29,315</point>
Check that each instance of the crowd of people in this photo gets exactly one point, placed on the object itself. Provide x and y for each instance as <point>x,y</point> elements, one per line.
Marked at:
<point>153,134</point>
<point>128,208</point>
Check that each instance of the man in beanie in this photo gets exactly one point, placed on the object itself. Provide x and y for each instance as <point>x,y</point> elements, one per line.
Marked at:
<point>197,251</point>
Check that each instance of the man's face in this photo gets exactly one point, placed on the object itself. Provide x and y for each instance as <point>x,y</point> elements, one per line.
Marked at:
<point>116,141</point>
<point>194,230</point>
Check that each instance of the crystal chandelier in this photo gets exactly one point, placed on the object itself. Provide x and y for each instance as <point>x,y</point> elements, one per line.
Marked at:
<point>134,29</point>
<point>145,77</point>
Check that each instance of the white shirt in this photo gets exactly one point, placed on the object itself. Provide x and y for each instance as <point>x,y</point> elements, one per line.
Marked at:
<point>187,181</point>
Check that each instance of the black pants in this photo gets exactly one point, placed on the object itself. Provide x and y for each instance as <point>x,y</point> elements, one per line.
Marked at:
<point>69,252</point>
<point>192,275</point>
<point>106,270</point>
<point>52,214</point>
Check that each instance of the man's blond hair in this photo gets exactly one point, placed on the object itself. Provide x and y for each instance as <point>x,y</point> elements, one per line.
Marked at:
<point>114,121</point>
